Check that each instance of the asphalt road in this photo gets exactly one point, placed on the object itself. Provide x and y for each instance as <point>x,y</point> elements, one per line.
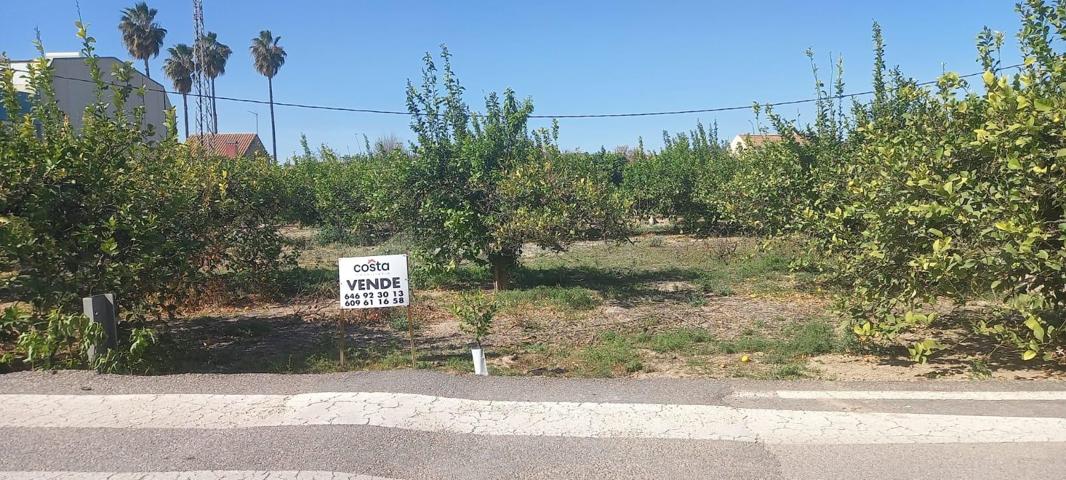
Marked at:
<point>408,425</point>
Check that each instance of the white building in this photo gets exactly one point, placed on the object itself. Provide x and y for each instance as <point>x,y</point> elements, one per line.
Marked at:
<point>745,140</point>
<point>75,89</point>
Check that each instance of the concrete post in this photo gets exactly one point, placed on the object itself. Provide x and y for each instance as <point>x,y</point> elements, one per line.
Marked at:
<point>101,309</point>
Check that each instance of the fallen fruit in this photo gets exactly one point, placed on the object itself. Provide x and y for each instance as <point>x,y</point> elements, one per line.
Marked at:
<point>745,358</point>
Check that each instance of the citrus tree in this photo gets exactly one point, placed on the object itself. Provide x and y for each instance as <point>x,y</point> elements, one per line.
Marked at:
<point>109,209</point>
<point>481,185</point>
<point>958,193</point>
<point>680,181</point>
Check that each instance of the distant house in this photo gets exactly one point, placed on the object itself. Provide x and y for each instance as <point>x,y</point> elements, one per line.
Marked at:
<point>745,140</point>
<point>232,145</point>
<point>75,89</point>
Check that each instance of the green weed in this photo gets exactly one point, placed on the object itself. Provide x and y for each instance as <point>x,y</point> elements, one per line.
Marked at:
<point>789,371</point>
<point>398,323</point>
<point>798,339</point>
<point>461,363</point>
<point>573,298</point>
<point>614,354</point>
<point>677,340</point>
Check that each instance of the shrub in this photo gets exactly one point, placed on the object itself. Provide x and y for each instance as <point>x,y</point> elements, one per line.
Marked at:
<point>956,194</point>
<point>475,312</point>
<point>109,209</point>
<point>54,339</point>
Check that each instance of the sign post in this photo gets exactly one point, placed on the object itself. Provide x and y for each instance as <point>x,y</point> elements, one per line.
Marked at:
<point>101,309</point>
<point>410,326</point>
<point>379,281</point>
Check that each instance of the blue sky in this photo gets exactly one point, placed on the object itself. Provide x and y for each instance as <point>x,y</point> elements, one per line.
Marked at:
<point>570,57</point>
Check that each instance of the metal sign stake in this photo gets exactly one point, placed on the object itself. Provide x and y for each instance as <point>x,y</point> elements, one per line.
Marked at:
<point>411,336</point>
<point>410,324</point>
<point>342,332</point>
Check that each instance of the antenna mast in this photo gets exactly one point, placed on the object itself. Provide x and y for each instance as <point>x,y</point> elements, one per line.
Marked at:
<point>203,108</point>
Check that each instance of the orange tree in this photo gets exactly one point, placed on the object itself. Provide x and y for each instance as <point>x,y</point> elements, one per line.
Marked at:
<point>481,185</point>
<point>111,209</point>
<point>959,194</point>
<point>679,180</point>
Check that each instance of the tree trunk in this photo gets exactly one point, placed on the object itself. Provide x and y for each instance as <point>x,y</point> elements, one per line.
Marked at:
<point>214,109</point>
<point>185,108</point>
<point>502,264</point>
<point>273,131</point>
<point>146,73</point>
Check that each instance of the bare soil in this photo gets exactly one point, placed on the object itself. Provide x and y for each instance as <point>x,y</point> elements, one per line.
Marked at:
<point>278,338</point>
<point>591,311</point>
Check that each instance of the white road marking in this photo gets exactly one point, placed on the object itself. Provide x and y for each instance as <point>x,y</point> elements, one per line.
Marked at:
<point>190,475</point>
<point>484,417</point>
<point>1045,395</point>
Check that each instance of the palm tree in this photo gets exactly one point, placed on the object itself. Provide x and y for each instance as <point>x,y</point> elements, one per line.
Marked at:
<point>213,64</point>
<point>269,57</point>
<point>180,67</point>
<point>142,36</point>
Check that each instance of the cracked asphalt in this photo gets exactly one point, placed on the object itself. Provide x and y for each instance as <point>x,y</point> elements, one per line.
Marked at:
<point>410,424</point>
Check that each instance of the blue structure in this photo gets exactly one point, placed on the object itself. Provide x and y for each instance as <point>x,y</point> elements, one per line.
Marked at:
<point>24,103</point>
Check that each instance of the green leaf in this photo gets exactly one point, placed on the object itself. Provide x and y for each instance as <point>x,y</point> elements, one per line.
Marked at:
<point>110,246</point>
<point>1036,327</point>
<point>1028,355</point>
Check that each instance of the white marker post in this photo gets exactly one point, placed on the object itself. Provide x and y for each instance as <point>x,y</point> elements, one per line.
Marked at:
<point>379,281</point>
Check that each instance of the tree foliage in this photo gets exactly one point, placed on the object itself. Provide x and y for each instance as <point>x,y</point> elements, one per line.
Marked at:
<point>141,35</point>
<point>349,198</point>
<point>108,210</point>
<point>479,186</point>
<point>681,180</point>
<point>959,194</point>
<point>921,195</point>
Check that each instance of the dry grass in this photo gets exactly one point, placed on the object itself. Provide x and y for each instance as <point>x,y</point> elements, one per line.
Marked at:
<point>661,305</point>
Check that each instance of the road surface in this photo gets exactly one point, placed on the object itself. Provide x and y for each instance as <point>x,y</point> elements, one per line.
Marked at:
<point>413,425</point>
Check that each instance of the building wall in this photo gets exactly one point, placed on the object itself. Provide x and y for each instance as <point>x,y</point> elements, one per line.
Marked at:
<point>75,91</point>
<point>256,148</point>
<point>737,144</point>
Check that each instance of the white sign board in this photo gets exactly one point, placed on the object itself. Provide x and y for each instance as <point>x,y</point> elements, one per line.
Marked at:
<point>374,282</point>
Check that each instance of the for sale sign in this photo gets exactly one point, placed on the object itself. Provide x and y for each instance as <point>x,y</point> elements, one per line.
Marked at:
<point>374,282</point>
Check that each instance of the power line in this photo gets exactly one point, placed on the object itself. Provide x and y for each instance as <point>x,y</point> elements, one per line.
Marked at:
<point>561,116</point>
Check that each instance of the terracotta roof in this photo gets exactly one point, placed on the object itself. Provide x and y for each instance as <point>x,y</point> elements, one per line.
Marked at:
<point>747,140</point>
<point>758,140</point>
<point>232,145</point>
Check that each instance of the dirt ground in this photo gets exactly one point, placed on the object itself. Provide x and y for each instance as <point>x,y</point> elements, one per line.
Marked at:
<point>661,305</point>
<point>282,338</point>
